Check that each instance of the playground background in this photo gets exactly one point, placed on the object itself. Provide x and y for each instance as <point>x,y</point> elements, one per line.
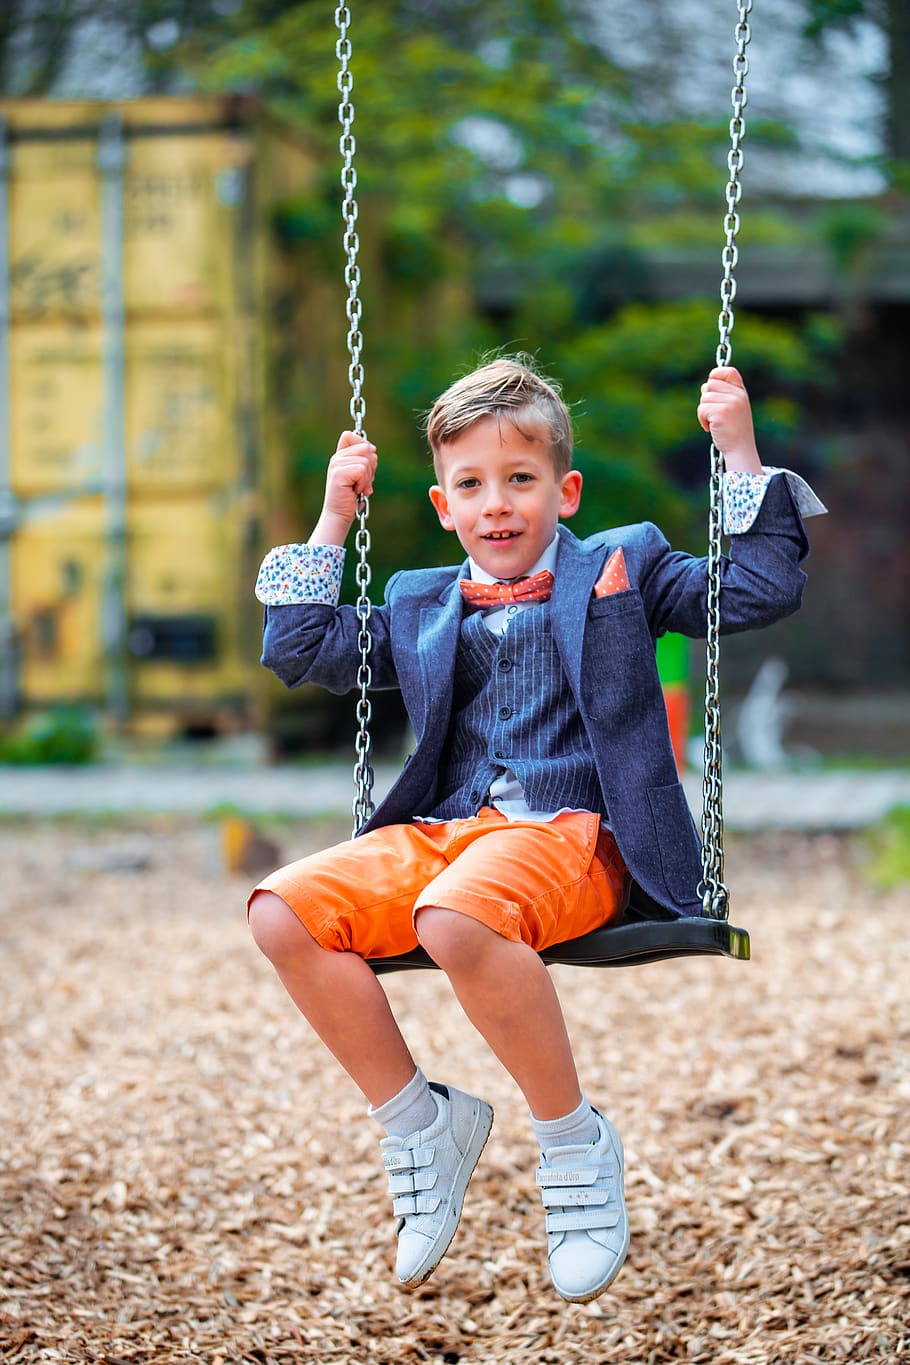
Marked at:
<point>172,376</point>
<point>173,369</point>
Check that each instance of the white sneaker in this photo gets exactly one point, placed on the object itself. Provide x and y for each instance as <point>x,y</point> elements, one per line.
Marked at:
<point>587,1223</point>
<point>428,1175</point>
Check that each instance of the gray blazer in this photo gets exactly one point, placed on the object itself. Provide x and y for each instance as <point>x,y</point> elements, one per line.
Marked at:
<point>607,649</point>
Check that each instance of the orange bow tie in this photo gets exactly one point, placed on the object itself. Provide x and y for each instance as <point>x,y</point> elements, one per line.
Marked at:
<point>537,588</point>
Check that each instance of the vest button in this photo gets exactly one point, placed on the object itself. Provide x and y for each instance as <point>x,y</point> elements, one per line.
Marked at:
<point>498,754</point>
<point>475,796</point>
<point>505,665</point>
<point>505,712</point>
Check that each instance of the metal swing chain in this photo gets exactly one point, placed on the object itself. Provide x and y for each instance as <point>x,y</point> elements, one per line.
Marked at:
<point>363,805</point>
<point>714,893</point>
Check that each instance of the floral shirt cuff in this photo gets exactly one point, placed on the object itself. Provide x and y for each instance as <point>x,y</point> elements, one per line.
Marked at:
<point>291,574</point>
<point>745,492</point>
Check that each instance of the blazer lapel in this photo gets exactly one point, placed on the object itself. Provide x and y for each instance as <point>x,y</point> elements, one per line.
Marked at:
<point>577,570</point>
<point>437,647</point>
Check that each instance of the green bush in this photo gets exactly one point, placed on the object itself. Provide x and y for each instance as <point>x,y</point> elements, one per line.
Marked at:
<point>888,850</point>
<point>62,735</point>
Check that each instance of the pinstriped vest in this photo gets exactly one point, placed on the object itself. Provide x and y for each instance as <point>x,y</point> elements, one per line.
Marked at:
<point>512,708</point>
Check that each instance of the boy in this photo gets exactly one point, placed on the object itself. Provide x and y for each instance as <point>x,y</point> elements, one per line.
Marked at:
<point>541,783</point>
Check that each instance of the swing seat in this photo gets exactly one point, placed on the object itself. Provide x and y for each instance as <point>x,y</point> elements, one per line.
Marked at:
<point>633,941</point>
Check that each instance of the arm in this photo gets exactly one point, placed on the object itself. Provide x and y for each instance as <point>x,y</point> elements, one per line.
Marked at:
<point>724,411</point>
<point>315,643</point>
<point>307,637</point>
<point>761,580</point>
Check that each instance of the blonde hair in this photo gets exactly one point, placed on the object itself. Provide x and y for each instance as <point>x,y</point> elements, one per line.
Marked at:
<point>508,387</point>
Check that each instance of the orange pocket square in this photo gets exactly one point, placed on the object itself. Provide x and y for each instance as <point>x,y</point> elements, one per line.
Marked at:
<point>614,577</point>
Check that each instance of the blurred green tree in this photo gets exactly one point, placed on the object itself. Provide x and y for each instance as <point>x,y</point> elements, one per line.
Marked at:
<point>500,148</point>
<point>506,162</point>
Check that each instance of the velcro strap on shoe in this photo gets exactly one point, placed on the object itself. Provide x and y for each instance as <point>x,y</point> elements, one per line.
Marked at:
<point>551,1176</point>
<point>408,1158</point>
<point>557,1199</point>
<point>416,1203</point>
<point>406,1182</point>
<point>579,1219</point>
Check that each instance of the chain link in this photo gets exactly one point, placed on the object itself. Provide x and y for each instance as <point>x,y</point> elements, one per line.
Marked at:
<point>363,771</point>
<point>715,895</point>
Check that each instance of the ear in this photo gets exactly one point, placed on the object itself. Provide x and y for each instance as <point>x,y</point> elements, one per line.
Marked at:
<point>441,503</point>
<point>571,493</point>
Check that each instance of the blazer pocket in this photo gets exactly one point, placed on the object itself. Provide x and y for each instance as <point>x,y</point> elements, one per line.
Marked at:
<point>615,603</point>
<point>677,841</point>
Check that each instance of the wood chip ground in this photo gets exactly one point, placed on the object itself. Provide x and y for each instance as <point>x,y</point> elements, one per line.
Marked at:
<point>186,1175</point>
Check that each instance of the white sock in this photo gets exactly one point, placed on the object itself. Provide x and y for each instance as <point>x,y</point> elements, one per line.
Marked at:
<point>410,1110</point>
<point>575,1129</point>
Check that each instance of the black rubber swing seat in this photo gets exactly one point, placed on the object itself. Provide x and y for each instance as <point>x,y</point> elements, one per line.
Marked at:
<point>632,942</point>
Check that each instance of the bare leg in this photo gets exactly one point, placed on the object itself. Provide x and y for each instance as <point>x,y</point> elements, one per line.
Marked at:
<point>339,996</point>
<point>506,992</point>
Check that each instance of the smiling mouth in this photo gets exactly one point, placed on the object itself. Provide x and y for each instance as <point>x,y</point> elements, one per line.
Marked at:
<point>500,535</point>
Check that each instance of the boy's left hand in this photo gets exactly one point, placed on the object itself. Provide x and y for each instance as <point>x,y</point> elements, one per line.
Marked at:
<point>725,412</point>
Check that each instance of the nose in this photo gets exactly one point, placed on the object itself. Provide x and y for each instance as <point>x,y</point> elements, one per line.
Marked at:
<point>497,501</point>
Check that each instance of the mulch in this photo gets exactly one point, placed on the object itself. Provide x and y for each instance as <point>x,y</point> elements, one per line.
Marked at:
<point>187,1176</point>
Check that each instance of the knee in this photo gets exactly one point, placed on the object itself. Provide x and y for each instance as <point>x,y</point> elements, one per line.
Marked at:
<point>276,930</point>
<point>455,942</point>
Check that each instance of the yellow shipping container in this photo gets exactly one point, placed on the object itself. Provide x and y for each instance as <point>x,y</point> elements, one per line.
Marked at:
<point>138,451</point>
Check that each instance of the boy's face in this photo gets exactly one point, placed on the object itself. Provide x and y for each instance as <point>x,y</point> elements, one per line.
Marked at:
<point>501,495</point>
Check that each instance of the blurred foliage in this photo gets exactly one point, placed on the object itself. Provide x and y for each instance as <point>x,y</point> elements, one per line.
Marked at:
<point>62,735</point>
<point>849,230</point>
<point>887,846</point>
<point>38,37</point>
<point>825,15</point>
<point>499,150</point>
<point>516,186</point>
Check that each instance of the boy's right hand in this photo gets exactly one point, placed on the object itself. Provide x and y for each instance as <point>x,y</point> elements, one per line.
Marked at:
<point>350,473</point>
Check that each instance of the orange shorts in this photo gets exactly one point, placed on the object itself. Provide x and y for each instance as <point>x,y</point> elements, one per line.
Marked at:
<point>537,882</point>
